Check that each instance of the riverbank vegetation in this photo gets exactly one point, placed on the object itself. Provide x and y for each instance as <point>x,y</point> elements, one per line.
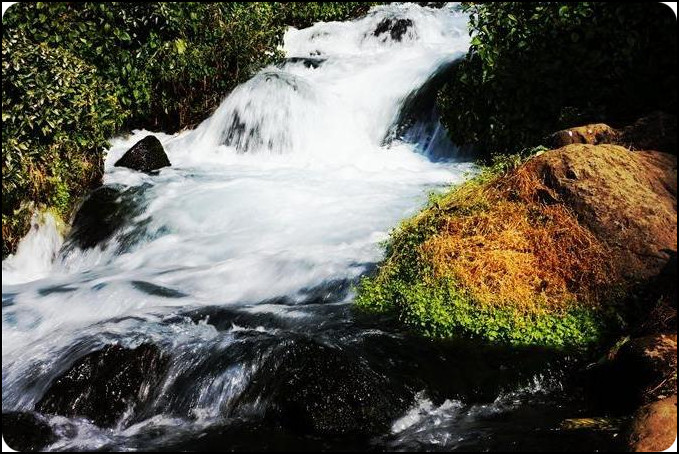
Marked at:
<point>537,67</point>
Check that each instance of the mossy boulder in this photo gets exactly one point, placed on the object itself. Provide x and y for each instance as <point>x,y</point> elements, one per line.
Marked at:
<point>547,250</point>
<point>146,155</point>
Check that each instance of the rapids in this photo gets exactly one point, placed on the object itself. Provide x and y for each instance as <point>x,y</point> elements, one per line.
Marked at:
<point>244,253</point>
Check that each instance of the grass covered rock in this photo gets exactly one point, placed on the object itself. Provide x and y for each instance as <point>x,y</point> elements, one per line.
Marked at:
<point>544,251</point>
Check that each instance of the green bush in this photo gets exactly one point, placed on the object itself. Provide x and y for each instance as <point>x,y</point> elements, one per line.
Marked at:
<point>537,67</point>
<point>57,113</point>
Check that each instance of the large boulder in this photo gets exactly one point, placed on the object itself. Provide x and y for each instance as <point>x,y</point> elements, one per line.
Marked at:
<point>106,384</point>
<point>321,390</point>
<point>654,428</point>
<point>146,155</point>
<point>628,199</point>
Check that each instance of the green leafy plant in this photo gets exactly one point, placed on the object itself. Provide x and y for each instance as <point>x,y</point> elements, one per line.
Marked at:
<point>537,67</point>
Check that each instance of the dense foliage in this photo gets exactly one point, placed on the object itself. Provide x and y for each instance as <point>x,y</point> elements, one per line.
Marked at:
<point>537,67</point>
<point>57,113</point>
<point>74,74</point>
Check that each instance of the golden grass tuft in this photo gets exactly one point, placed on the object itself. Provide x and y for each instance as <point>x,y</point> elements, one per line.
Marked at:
<point>507,243</point>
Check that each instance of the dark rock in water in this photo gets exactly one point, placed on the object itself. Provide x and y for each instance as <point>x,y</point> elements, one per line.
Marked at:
<point>97,218</point>
<point>396,28</point>
<point>418,117</point>
<point>308,62</point>
<point>104,212</point>
<point>104,385</point>
<point>24,431</point>
<point>146,155</point>
<point>317,389</point>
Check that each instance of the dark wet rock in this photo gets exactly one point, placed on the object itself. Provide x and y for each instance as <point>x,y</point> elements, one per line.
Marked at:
<point>97,218</point>
<point>317,389</point>
<point>146,155</point>
<point>23,431</point>
<point>418,116</point>
<point>308,62</point>
<point>106,384</point>
<point>105,211</point>
<point>396,28</point>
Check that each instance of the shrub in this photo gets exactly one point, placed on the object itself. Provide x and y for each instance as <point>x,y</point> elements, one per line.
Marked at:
<point>57,113</point>
<point>537,67</point>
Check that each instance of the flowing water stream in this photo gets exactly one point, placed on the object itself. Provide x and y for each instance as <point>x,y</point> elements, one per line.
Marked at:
<point>238,262</point>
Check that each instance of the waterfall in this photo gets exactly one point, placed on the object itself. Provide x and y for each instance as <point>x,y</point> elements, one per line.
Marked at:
<point>240,258</point>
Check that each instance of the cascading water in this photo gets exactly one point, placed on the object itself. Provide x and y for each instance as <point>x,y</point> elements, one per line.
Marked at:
<point>237,264</point>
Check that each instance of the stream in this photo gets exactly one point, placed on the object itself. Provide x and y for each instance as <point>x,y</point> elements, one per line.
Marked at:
<point>235,267</point>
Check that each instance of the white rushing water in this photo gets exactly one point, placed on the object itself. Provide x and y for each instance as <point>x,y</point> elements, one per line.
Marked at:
<point>285,187</point>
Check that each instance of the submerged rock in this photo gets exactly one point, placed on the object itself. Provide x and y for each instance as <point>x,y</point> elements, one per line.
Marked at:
<point>97,218</point>
<point>396,28</point>
<point>321,390</point>
<point>103,213</point>
<point>146,155</point>
<point>24,431</point>
<point>105,385</point>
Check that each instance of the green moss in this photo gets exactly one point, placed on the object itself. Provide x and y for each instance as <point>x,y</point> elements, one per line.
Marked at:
<point>441,310</point>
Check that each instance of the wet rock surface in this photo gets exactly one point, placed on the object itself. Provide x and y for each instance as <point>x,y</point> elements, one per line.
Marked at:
<point>23,431</point>
<point>317,389</point>
<point>105,385</point>
<point>396,28</point>
<point>146,155</point>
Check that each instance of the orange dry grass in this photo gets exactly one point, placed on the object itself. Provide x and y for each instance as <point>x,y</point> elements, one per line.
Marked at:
<point>517,247</point>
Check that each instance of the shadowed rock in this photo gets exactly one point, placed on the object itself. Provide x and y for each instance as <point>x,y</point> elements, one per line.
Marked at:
<point>317,389</point>
<point>106,384</point>
<point>26,431</point>
<point>146,155</point>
